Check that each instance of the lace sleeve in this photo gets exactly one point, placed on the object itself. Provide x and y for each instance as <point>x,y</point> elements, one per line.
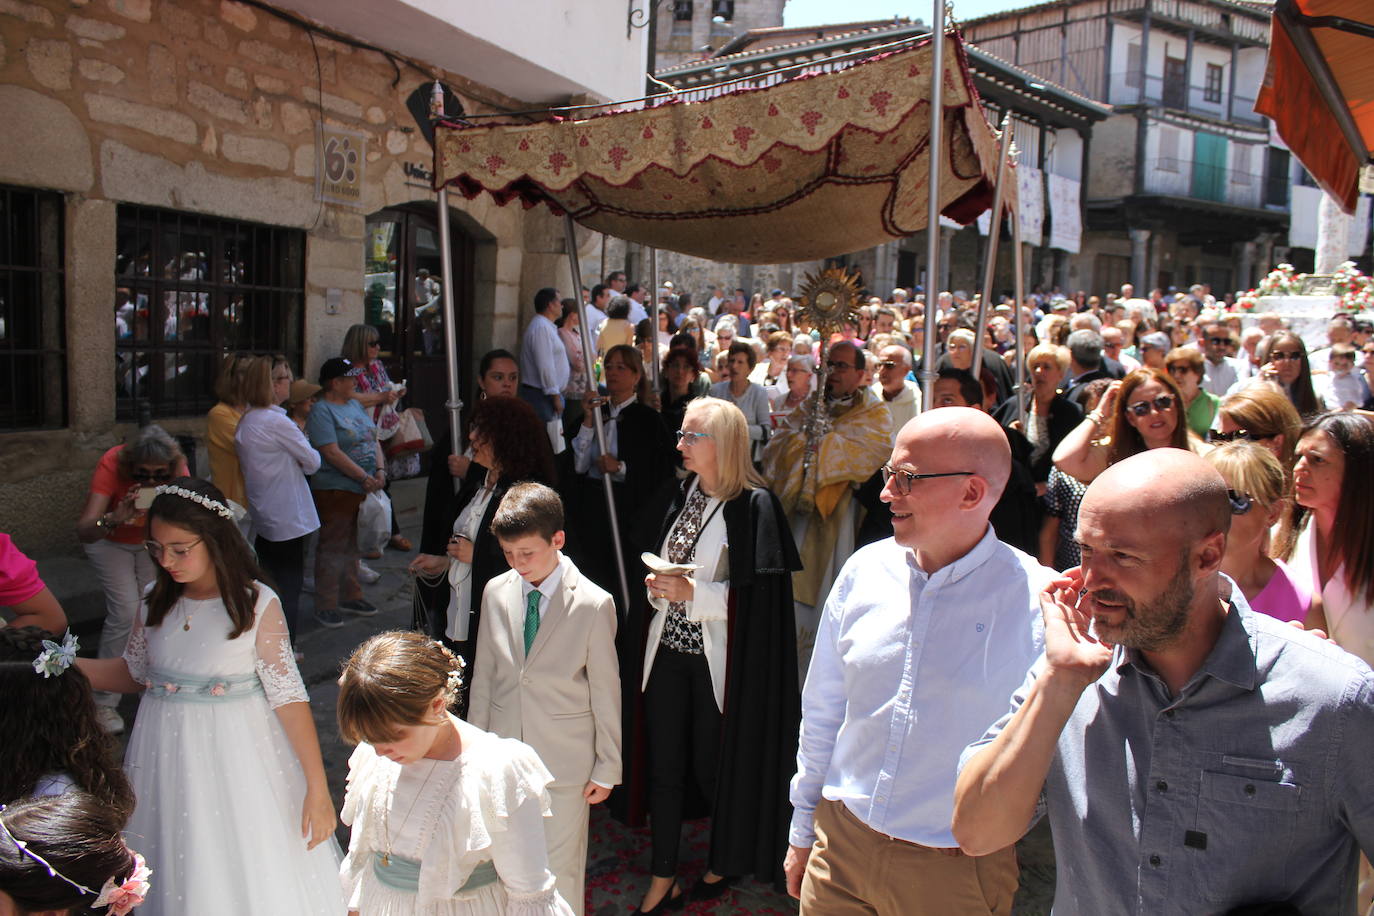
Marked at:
<point>136,650</point>
<point>276,661</point>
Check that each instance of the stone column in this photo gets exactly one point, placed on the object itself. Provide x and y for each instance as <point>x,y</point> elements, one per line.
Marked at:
<point>1333,235</point>
<point>1140,255</point>
<point>1245,265</point>
<point>946,240</point>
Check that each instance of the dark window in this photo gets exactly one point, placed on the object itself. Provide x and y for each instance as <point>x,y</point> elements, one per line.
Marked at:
<point>1211,90</point>
<point>33,358</point>
<point>682,10</point>
<point>1175,83</point>
<point>725,9</point>
<point>188,290</point>
<point>1276,168</point>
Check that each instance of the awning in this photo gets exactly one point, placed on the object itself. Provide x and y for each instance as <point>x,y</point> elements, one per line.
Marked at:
<point>1319,89</point>
<point>820,165</point>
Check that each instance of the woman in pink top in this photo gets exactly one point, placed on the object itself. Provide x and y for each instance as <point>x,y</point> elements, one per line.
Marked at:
<point>1256,480</point>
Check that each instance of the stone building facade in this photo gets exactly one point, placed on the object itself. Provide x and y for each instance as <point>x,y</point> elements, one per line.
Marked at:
<point>158,169</point>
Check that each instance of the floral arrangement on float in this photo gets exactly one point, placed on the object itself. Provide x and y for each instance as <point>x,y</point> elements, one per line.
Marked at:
<point>1355,289</point>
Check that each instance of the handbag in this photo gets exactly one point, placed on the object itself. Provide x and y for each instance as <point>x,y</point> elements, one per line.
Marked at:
<point>407,438</point>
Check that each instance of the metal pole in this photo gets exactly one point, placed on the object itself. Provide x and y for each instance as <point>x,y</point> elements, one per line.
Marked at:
<point>994,236</point>
<point>453,404</point>
<point>601,278</point>
<point>653,318</point>
<point>937,112</point>
<point>588,351</point>
<point>1019,284</point>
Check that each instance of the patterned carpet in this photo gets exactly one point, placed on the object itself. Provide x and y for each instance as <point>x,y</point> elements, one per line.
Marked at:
<point>618,873</point>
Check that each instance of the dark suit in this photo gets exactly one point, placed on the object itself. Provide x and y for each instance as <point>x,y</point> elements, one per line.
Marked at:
<point>1064,416</point>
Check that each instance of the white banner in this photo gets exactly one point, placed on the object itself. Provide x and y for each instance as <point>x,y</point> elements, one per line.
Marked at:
<point>1066,225</point>
<point>1031,186</point>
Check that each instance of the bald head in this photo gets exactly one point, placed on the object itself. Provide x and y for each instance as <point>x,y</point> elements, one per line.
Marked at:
<point>1172,487</point>
<point>963,436</point>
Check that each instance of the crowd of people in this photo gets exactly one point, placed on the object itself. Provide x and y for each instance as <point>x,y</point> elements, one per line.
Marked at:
<point>871,634</point>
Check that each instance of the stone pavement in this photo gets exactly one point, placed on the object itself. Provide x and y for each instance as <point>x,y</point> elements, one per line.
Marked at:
<point>618,857</point>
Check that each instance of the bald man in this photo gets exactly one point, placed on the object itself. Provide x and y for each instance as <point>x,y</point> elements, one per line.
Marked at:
<point>923,638</point>
<point>1193,756</point>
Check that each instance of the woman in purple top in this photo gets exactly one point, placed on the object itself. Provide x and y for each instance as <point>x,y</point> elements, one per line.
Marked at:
<point>1257,483</point>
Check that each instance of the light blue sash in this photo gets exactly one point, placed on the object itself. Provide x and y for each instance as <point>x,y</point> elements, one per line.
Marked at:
<point>183,688</point>
<point>403,874</point>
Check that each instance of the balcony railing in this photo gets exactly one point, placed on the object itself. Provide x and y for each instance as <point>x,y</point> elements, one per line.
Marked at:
<point>1126,90</point>
<point>1203,181</point>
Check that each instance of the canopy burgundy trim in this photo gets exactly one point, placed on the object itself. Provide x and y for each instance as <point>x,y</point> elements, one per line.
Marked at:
<point>1319,89</point>
<point>820,165</point>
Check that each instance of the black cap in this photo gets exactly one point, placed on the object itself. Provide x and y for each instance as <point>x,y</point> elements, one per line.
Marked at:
<point>337,368</point>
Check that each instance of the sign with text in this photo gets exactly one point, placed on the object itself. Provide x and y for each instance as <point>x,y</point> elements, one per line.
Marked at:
<point>339,158</point>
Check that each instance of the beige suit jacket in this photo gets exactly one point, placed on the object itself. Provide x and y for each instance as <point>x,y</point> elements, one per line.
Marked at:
<point>564,699</point>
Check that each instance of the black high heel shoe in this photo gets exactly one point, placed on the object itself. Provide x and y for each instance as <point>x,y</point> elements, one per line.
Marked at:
<point>711,890</point>
<point>668,903</point>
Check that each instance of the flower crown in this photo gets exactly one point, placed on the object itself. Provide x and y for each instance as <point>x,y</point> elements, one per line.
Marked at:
<point>455,677</point>
<point>56,657</point>
<point>118,896</point>
<point>213,505</point>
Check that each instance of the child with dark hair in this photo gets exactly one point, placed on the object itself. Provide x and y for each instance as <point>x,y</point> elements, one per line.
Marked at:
<point>63,854</point>
<point>547,672</point>
<point>447,818</point>
<point>232,806</point>
<point>53,742</point>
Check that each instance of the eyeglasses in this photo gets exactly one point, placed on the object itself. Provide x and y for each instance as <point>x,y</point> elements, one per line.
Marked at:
<point>1216,435</point>
<point>1142,408</point>
<point>1241,503</point>
<point>1180,370</point>
<point>835,367</point>
<point>906,478</point>
<point>374,343</point>
<point>147,476</point>
<point>179,551</point>
<point>886,363</point>
<point>1286,355</point>
<point>1219,341</point>
<point>691,438</point>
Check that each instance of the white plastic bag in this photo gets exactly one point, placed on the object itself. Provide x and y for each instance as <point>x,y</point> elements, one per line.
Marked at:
<point>374,522</point>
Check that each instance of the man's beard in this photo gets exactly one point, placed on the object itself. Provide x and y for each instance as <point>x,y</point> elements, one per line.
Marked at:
<point>1154,626</point>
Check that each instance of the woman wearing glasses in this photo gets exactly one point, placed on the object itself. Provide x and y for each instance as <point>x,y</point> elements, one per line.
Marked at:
<point>1184,364</point>
<point>112,528</point>
<point>1260,414</point>
<point>1142,411</point>
<point>1258,485</point>
<point>721,705</point>
<point>1283,364</point>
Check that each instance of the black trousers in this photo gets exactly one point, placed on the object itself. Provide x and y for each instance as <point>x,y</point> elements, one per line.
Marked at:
<point>683,733</point>
<point>284,561</point>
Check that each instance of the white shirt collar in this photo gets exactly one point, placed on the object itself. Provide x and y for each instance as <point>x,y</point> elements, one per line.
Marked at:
<point>550,583</point>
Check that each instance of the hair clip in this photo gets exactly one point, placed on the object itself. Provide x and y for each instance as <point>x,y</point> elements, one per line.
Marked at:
<point>56,657</point>
<point>213,505</point>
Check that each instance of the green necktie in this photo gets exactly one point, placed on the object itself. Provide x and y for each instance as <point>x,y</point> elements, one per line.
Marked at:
<point>531,618</point>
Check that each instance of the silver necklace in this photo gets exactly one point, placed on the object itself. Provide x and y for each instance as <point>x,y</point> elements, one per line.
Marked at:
<point>386,818</point>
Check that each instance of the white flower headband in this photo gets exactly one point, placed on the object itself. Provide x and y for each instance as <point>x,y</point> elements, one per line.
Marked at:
<point>213,505</point>
<point>455,677</point>
<point>56,657</point>
<point>119,896</point>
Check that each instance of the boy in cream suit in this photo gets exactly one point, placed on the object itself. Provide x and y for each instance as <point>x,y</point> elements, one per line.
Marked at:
<point>547,672</point>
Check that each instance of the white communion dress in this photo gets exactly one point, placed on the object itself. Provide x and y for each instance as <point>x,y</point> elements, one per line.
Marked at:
<point>462,837</point>
<point>219,788</point>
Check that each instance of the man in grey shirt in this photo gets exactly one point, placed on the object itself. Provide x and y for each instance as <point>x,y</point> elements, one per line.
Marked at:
<point>1194,756</point>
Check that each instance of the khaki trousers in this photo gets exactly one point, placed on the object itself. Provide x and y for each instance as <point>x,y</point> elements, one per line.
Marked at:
<point>855,870</point>
<point>565,832</point>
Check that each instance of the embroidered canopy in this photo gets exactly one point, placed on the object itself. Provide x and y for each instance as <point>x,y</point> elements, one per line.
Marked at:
<point>832,161</point>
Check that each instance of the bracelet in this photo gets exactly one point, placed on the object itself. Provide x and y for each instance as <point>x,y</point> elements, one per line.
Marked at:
<point>1095,417</point>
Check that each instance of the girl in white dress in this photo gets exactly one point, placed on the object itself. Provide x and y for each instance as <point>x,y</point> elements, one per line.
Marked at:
<point>448,819</point>
<point>232,806</point>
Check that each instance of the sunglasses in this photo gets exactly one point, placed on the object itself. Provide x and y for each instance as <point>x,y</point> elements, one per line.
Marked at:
<point>1219,341</point>
<point>906,478</point>
<point>1142,408</point>
<point>1244,435</point>
<point>147,476</point>
<point>1241,503</point>
<point>1286,355</point>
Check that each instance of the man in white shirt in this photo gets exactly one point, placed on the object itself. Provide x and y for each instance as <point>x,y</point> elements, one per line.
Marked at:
<point>903,396</point>
<point>923,637</point>
<point>544,366</point>
<point>596,309</point>
<point>638,311</point>
<point>1219,371</point>
<point>1112,339</point>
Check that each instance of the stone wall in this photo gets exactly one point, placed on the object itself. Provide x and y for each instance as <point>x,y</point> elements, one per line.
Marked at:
<point>211,106</point>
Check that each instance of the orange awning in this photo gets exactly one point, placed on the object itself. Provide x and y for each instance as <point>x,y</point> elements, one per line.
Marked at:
<point>1319,89</point>
<point>831,161</point>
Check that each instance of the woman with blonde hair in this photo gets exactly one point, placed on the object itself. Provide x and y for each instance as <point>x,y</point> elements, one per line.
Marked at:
<point>1259,488</point>
<point>221,422</point>
<point>720,702</point>
<point>1260,414</point>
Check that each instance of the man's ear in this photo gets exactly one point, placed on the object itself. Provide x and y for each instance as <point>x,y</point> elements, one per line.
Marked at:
<point>1209,552</point>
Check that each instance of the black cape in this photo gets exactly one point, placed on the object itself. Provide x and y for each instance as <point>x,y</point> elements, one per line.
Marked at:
<point>758,743</point>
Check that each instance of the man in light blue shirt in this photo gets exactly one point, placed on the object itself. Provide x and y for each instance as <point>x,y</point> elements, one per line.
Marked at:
<point>1193,756</point>
<point>923,638</point>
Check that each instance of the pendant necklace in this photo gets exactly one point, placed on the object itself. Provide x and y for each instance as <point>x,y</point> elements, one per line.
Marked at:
<point>186,613</point>
<point>386,817</point>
